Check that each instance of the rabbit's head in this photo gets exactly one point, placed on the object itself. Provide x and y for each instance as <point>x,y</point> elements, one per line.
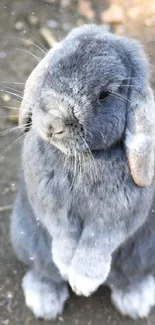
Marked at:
<point>91,92</point>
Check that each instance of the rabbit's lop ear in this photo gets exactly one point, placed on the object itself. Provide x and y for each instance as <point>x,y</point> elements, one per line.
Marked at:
<point>140,136</point>
<point>32,92</point>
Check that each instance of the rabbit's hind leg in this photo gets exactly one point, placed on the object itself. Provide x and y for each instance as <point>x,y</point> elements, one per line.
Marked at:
<point>45,298</point>
<point>135,300</point>
<point>44,289</point>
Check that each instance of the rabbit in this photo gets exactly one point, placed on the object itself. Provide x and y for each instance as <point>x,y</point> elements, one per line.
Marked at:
<point>81,216</point>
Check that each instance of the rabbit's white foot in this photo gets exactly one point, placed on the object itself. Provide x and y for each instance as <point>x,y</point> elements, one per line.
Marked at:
<point>90,277</point>
<point>138,300</point>
<point>82,285</point>
<point>45,299</point>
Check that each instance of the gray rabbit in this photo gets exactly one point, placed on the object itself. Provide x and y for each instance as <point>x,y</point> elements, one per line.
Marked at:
<point>87,168</point>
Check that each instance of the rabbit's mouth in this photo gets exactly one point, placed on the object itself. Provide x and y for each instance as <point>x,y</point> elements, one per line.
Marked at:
<point>68,137</point>
<point>69,147</point>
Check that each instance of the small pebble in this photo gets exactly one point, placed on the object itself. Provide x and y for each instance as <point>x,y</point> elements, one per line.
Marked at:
<point>33,20</point>
<point>27,42</point>
<point>6,98</point>
<point>19,25</point>
<point>9,295</point>
<point>13,187</point>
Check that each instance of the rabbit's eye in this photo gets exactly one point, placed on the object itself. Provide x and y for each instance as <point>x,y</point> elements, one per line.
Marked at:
<point>103,95</point>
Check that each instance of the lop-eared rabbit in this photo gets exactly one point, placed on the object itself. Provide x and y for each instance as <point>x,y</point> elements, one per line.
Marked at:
<point>81,215</point>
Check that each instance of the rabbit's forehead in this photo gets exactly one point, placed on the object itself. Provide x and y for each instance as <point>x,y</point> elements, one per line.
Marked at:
<point>74,54</point>
<point>84,67</point>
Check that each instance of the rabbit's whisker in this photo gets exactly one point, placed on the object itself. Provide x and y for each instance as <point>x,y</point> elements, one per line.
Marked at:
<point>30,42</point>
<point>119,96</point>
<point>6,116</point>
<point>14,89</point>
<point>17,141</point>
<point>75,170</point>
<point>16,108</point>
<point>15,100</point>
<point>11,107</point>
<point>12,82</point>
<point>17,95</point>
<point>13,129</point>
<point>131,86</point>
<point>11,93</point>
<point>64,165</point>
<point>127,86</point>
<point>80,166</point>
<point>38,42</point>
<point>73,159</point>
<point>91,158</point>
<point>128,78</point>
<point>27,52</point>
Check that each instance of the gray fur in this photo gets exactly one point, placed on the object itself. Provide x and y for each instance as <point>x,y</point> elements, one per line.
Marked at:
<point>93,218</point>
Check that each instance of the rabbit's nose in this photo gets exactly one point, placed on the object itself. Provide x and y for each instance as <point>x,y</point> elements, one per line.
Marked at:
<point>56,131</point>
<point>55,127</point>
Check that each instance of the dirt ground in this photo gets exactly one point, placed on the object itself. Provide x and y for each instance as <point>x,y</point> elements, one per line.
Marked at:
<point>15,66</point>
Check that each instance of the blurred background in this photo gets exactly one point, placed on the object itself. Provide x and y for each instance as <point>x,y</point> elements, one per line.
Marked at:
<point>28,29</point>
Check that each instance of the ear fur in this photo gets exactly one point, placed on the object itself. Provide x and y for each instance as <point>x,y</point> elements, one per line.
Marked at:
<point>140,121</point>
<point>140,138</point>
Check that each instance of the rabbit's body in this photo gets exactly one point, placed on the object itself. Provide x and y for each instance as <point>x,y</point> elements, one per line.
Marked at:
<point>79,212</point>
<point>72,209</point>
<point>75,192</point>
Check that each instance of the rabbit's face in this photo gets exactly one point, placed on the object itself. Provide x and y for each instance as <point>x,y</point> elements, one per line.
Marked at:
<point>90,92</point>
<point>82,104</point>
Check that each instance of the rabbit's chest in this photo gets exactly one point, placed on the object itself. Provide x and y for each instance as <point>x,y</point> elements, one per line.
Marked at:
<point>101,185</point>
<point>82,187</point>
<point>96,182</point>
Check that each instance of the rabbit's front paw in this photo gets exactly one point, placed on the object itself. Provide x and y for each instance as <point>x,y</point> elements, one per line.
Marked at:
<point>63,249</point>
<point>84,284</point>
